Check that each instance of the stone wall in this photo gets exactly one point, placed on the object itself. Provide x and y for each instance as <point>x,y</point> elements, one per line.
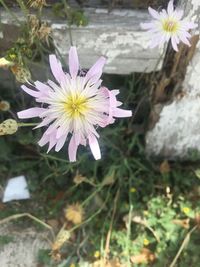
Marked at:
<point>116,35</point>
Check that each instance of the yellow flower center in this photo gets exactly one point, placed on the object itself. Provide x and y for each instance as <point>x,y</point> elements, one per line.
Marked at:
<point>76,105</point>
<point>170,25</point>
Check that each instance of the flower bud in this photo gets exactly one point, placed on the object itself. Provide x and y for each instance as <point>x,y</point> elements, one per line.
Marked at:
<point>22,74</point>
<point>4,105</point>
<point>74,213</point>
<point>9,126</point>
<point>61,238</point>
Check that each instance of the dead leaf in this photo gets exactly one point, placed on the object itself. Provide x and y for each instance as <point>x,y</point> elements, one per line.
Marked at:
<point>165,167</point>
<point>136,218</point>
<point>197,220</point>
<point>146,256</point>
<point>79,178</point>
<point>109,179</point>
<point>184,223</point>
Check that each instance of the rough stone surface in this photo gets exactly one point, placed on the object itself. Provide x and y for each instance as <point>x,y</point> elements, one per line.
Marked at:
<point>22,250</point>
<point>117,35</point>
<point>178,129</point>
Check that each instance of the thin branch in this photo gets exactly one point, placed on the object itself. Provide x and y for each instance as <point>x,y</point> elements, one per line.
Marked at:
<point>21,215</point>
<point>110,228</point>
<point>183,245</point>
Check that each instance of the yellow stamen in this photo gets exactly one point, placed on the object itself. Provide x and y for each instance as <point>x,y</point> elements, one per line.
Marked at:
<point>76,105</point>
<point>170,25</point>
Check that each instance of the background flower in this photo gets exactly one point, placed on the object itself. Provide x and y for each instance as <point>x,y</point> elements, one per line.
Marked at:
<point>168,25</point>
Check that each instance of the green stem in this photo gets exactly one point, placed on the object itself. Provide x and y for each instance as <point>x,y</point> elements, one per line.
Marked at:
<point>92,195</point>
<point>128,233</point>
<point>93,215</point>
<point>53,158</point>
<point>23,7</point>
<point>67,11</point>
<point>21,215</point>
<point>21,124</point>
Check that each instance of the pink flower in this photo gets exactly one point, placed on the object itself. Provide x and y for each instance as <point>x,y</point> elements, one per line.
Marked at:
<point>74,106</point>
<point>168,24</point>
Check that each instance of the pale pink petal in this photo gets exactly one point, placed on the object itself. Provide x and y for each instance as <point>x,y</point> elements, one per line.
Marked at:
<point>121,113</point>
<point>187,25</point>
<point>29,91</point>
<point>96,70</point>
<point>73,62</point>
<point>83,142</point>
<point>60,143</point>
<point>61,131</point>
<point>30,113</point>
<point>154,13</point>
<point>167,37</point>
<point>107,120</point>
<point>177,39</point>
<point>179,14</point>
<point>111,94</point>
<point>174,43</point>
<point>77,137</point>
<point>91,129</point>
<point>52,128</point>
<point>72,149</point>
<point>113,110</point>
<point>42,87</point>
<point>115,92</point>
<point>94,146</point>
<point>163,14</point>
<point>45,122</point>
<point>52,141</point>
<point>44,140</point>
<point>186,34</point>
<point>170,7</point>
<point>54,86</point>
<point>192,25</point>
<point>56,68</point>
<point>119,103</point>
<point>184,39</point>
